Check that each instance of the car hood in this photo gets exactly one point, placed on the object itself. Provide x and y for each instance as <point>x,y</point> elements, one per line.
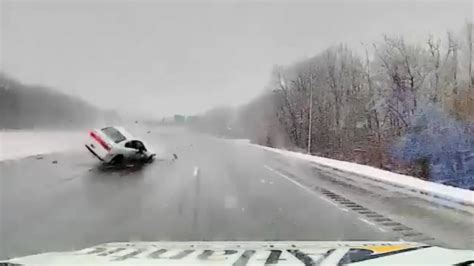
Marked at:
<point>254,253</point>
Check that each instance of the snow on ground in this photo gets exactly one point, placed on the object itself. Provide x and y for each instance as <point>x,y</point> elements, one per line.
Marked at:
<point>454,194</point>
<point>20,144</point>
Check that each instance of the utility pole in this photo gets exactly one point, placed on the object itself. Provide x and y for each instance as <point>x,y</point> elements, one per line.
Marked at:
<point>310,113</point>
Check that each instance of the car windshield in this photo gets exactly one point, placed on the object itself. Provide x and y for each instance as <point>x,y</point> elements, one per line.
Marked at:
<point>226,122</point>
<point>113,134</point>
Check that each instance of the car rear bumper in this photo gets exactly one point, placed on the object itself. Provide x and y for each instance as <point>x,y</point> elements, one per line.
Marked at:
<point>94,153</point>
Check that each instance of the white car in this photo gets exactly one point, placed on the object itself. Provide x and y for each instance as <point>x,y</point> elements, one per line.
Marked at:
<point>114,145</point>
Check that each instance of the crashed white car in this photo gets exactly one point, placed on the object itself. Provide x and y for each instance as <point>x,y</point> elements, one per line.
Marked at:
<point>114,145</point>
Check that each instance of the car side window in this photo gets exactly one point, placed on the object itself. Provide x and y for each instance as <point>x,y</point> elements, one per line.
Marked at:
<point>135,144</point>
<point>113,134</point>
<point>139,145</point>
<point>129,144</point>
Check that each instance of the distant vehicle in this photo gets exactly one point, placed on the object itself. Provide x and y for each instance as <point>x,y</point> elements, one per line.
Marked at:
<point>114,145</point>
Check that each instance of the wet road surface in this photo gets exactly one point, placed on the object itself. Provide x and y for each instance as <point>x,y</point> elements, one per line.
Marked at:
<point>216,190</point>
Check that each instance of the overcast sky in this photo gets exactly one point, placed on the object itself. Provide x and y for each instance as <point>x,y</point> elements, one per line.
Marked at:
<point>185,57</point>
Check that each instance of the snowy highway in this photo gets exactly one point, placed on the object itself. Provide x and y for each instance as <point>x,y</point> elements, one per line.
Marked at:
<point>216,190</point>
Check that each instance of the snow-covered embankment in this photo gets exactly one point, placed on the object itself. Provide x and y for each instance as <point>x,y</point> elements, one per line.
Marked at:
<point>20,144</point>
<point>415,186</point>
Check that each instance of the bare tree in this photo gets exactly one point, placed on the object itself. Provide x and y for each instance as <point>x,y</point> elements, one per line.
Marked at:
<point>435,53</point>
<point>469,34</point>
<point>293,119</point>
<point>340,105</point>
<point>453,49</point>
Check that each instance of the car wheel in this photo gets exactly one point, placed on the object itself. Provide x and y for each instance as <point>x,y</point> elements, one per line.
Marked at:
<point>151,158</point>
<point>117,160</point>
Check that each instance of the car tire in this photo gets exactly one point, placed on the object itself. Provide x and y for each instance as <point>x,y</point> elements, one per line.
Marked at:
<point>150,158</point>
<point>117,160</point>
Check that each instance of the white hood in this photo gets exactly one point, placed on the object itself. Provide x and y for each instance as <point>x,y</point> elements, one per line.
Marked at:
<point>254,253</point>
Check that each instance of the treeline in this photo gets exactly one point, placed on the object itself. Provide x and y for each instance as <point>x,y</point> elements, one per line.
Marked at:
<point>38,107</point>
<point>399,106</point>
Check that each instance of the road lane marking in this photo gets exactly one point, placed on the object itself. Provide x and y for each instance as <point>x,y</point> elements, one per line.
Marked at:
<point>367,221</point>
<point>196,171</point>
<point>328,201</point>
<point>287,178</point>
<point>298,184</point>
<point>321,197</point>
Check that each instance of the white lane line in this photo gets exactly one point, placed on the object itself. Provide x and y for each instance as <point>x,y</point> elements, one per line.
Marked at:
<point>287,178</point>
<point>328,201</point>
<point>381,229</point>
<point>344,209</point>
<point>196,171</point>
<point>367,221</point>
<point>298,184</point>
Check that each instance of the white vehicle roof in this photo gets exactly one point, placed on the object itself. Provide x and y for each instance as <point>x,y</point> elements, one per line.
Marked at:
<point>116,134</point>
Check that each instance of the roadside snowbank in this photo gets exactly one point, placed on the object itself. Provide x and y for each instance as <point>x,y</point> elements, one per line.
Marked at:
<point>453,194</point>
<point>239,141</point>
<point>20,144</point>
